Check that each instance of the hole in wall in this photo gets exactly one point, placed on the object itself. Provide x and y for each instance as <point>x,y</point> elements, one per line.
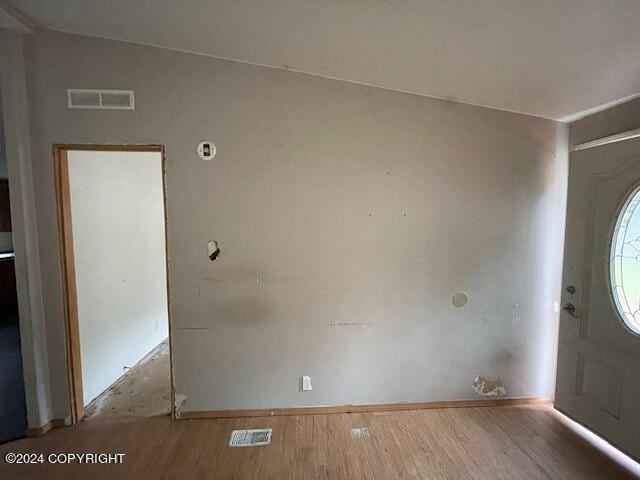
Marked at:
<point>213,250</point>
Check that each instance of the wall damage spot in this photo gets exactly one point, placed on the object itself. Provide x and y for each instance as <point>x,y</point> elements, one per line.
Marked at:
<point>178,401</point>
<point>213,250</point>
<point>488,388</point>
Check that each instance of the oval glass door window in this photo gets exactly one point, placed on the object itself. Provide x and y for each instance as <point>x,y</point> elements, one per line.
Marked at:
<point>624,263</point>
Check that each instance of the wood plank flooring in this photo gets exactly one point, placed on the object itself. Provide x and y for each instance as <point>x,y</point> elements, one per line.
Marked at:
<point>518,442</point>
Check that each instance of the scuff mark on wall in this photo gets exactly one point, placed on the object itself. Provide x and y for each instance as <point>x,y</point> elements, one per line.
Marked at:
<point>245,282</point>
<point>506,358</point>
<point>515,316</point>
<point>178,402</point>
<point>213,250</point>
<point>488,388</point>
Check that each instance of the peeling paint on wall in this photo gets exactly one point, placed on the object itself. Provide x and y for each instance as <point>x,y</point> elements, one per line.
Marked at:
<point>179,401</point>
<point>488,388</point>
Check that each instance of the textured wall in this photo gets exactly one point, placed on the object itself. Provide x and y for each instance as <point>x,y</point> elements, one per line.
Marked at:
<point>347,217</point>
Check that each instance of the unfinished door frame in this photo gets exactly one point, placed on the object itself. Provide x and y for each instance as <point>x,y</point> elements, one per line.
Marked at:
<point>67,264</point>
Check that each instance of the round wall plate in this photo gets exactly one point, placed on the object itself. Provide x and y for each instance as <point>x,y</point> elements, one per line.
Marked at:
<point>460,299</point>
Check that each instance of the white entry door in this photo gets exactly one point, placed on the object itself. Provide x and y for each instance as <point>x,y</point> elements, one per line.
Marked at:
<point>598,379</point>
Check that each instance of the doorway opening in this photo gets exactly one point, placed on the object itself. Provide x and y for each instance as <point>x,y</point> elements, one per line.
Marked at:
<point>112,223</point>
<point>13,410</point>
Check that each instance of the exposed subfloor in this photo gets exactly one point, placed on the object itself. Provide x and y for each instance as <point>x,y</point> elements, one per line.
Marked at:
<point>516,442</point>
<point>144,391</point>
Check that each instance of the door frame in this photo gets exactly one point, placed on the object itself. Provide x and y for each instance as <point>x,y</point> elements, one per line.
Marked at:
<point>67,265</point>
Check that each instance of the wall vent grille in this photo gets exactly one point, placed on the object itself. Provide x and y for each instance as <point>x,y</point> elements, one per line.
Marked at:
<point>250,438</point>
<point>100,99</point>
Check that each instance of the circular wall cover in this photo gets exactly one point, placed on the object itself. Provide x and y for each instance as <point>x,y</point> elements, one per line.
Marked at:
<point>460,299</point>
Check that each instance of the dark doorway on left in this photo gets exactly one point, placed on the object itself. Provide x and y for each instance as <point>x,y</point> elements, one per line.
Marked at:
<point>13,411</point>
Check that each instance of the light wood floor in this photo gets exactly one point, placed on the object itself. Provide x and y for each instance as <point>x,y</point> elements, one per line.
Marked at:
<point>521,442</point>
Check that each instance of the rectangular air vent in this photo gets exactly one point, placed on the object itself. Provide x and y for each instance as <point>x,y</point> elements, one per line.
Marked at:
<point>250,438</point>
<point>101,99</point>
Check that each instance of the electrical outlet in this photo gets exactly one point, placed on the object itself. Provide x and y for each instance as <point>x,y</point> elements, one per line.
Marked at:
<point>306,383</point>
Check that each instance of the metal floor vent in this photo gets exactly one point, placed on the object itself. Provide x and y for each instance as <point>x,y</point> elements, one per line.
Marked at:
<point>250,438</point>
<point>359,433</point>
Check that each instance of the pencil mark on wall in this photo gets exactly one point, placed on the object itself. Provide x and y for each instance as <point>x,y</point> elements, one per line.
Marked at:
<point>351,324</point>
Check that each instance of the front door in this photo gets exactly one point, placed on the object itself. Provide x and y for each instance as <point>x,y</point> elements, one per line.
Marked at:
<point>598,379</point>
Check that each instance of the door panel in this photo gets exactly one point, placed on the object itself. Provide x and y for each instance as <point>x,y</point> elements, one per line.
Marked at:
<point>598,379</point>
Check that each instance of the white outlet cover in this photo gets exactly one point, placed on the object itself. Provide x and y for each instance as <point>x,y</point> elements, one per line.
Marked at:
<point>306,383</point>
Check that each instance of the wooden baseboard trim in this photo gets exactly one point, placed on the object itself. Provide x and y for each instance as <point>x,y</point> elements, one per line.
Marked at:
<point>373,407</point>
<point>39,431</point>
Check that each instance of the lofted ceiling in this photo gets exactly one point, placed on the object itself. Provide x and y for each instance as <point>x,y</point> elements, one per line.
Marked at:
<point>553,58</point>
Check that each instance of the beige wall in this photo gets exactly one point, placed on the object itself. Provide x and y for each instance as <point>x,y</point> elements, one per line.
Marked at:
<point>347,217</point>
<point>117,213</point>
